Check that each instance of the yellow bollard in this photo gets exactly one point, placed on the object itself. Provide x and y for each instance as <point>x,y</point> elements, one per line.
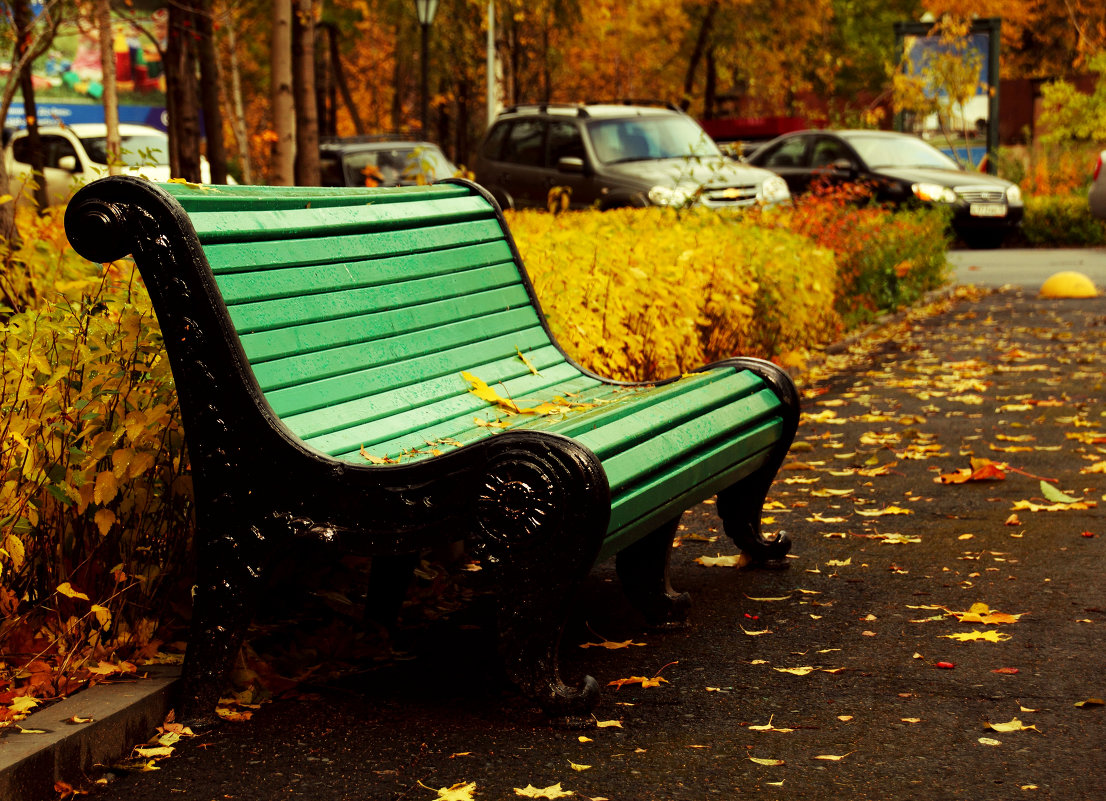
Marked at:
<point>1068,284</point>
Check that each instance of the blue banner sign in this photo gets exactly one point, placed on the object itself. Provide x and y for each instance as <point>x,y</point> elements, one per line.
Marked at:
<point>70,113</point>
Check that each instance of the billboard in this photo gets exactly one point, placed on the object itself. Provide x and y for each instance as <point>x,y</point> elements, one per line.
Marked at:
<point>68,78</point>
<point>965,127</point>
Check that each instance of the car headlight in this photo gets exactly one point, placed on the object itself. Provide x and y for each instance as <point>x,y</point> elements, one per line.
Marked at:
<point>1014,196</point>
<point>671,195</point>
<point>933,193</point>
<point>773,190</point>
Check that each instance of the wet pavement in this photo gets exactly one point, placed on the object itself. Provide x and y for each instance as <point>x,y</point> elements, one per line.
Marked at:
<point>845,676</point>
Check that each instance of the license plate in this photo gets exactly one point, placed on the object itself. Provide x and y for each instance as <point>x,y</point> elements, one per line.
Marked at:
<point>988,210</point>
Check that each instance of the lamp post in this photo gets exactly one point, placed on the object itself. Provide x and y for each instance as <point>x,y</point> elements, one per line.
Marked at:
<point>426,9</point>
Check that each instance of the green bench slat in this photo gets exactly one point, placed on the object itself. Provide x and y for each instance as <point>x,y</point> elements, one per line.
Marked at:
<point>417,407</point>
<point>463,430</point>
<point>637,512</point>
<point>670,444</point>
<point>251,317</point>
<point>316,365</point>
<point>291,224</point>
<point>271,284</point>
<point>237,257</point>
<point>277,343</point>
<point>363,386</point>
<point>242,197</point>
<point>680,401</point>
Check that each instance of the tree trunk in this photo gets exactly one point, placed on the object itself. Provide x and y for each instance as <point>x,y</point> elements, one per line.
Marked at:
<point>397,83</point>
<point>209,94</point>
<point>326,97</point>
<point>114,144</point>
<point>284,110</point>
<point>303,90</point>
<point>238,107</point>
<point>701,43</point>
<point>182,92</point>
<point>340,79</point>
<point>21,13</point>
<point>710,92</point>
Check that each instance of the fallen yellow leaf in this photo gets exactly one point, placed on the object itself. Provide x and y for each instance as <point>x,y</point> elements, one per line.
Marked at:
<point>553,791</point>
<point>458,792</point>
<point>771,762</point>
<point>67,589</point>
<point>611,646</point>
<point>888,510</point>
<point>769,727</point>
<point>735,560</point>
<point>989,636</point>
<point>981,613</point>
<point>755,633</point>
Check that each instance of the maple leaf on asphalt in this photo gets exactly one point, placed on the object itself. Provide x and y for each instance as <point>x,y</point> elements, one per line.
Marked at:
<point>459,792</point>
<point>981,613</point>
<point>989,636</point>
<point>553,791</point>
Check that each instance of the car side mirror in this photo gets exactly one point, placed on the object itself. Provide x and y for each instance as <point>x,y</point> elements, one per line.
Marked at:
<point>571,164</point>
<point>68,163</point>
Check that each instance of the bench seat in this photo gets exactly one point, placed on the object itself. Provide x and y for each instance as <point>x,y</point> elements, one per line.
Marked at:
<point>326,346</point>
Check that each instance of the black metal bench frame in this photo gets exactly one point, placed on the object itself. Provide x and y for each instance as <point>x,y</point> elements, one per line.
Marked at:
<point>534,506</point>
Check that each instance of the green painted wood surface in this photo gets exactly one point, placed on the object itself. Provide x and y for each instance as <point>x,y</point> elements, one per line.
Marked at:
<point>358,310</point>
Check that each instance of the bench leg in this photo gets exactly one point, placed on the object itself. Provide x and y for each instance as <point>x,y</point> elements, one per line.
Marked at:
<point>226,597</point>
<point>532,609</point>
<point>540,514</point>
<point>643,570</point>
<point>740,508</point>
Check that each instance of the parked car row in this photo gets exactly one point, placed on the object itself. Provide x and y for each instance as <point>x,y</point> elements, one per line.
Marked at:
<point>610,155</point>
<point>607,155</point>
<point>75,154</point>
<point>898,169</point>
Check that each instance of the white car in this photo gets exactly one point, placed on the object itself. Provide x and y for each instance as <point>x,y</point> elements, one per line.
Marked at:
<point>76,154</point>
<point>1097,196</point>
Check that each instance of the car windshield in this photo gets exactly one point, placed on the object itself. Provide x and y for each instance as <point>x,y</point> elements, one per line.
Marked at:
<point>645,138</point>
<point>139,150</point>
<point>397,166</point>
<point>899,151</point>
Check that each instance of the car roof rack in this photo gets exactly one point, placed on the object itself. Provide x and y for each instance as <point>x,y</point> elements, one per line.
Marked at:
<point>395,136</point>
<point>544,108</point>
<point>638,101</point>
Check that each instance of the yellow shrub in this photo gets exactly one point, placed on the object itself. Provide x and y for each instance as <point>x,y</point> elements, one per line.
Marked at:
<point>641,294</point>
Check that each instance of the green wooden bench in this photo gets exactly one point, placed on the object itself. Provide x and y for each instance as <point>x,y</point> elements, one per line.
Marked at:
<point>318,338</point>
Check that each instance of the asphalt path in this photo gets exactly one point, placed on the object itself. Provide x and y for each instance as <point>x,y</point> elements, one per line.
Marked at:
<point>841,677</point>
<point>1027,268</point>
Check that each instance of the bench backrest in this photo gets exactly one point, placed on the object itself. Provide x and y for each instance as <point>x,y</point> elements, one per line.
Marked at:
<point>354,306</point>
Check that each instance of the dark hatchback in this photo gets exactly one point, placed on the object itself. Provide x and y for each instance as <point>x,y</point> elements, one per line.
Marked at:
<point>897,169</point>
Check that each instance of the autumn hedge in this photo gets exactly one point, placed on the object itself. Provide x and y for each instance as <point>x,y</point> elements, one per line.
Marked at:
<point>95,500</point>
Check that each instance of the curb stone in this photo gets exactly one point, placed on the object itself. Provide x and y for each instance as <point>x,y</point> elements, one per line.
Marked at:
<point>123,714</point>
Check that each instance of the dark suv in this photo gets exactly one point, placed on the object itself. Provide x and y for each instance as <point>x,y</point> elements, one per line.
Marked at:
<point>381,161</point>
<point>610,155</point>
